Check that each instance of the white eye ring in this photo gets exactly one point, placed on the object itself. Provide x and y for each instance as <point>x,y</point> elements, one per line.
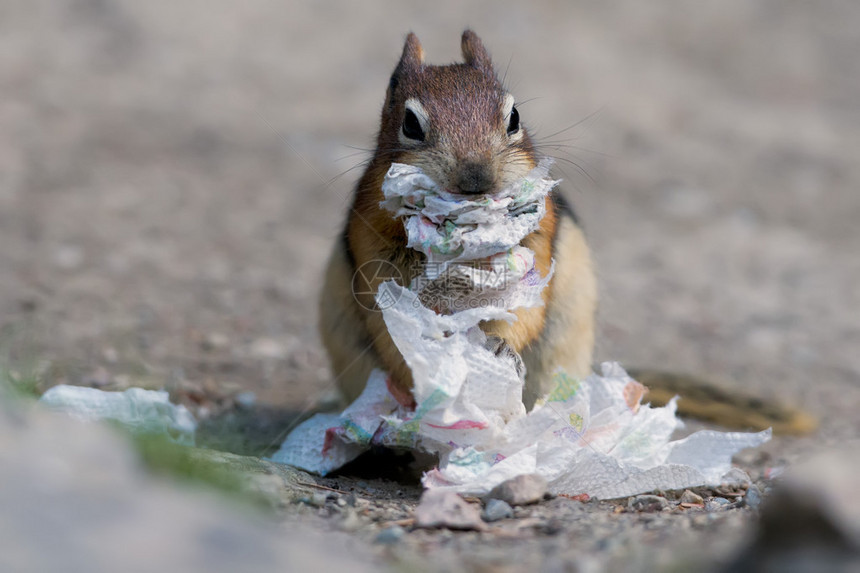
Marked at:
<point>507,108</point>
<point>412,104</point>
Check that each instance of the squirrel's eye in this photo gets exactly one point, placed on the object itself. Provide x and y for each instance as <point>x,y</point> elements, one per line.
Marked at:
<point>514,122</point>
<point>411,126</point>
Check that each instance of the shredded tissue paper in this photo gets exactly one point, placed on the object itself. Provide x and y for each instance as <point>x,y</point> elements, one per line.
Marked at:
<point>142,411</point>
<point>589,436</point>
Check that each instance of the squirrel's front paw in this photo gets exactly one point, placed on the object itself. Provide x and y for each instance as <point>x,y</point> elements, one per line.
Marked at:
<point>502,349</point>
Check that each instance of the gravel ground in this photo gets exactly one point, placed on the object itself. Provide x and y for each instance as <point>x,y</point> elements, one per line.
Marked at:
<point>172,177</point>
<point>559,534</point>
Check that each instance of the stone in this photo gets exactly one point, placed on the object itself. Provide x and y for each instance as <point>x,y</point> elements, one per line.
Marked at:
<point>497,509</point>
<point>390,535</point>
<point>521,490</point>
<point>717,503</point>
<point>318,499</point>
<point>647,503</point>
<point>246,400</point>
<point>691,497</point>
<point>439,508</point>
<point>753,497</point>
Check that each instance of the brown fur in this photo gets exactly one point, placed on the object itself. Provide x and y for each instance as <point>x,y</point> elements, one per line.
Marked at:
<point>709,401</point>
<point>463,103</point>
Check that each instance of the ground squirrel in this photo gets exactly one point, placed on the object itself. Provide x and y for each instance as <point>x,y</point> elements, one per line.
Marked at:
<point>461,126</point>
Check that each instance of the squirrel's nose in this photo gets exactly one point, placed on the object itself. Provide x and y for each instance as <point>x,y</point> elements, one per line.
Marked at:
<point>474,178</point>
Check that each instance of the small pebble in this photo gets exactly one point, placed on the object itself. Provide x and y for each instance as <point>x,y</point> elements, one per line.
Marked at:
<point>716,504</point>
<point>245,400</point>
<point>752,498</point>
<point>390,535</point>
<point>439,508</point>
<point>318,499</point>
<point>497,509</point>
<point>647,503</point>
<point>691,497</point>
<point>521,490</point>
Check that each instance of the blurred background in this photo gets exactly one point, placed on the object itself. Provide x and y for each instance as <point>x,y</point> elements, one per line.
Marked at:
<point>173,175</point>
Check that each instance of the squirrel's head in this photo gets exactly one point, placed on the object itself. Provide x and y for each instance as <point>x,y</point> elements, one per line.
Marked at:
<point>456,122</point>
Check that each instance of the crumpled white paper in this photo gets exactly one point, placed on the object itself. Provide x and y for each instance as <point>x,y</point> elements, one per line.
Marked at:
<point>449,227</point>
<point>143,411</point>
<point>589,436</point>
<point>471,243</point>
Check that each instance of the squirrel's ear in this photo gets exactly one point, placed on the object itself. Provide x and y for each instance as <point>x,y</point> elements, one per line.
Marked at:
<point>474,52</point>
<point>413,53</point>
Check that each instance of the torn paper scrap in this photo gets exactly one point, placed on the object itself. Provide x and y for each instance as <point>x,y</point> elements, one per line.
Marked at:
<point>326,442</point>
<point>143,411</point>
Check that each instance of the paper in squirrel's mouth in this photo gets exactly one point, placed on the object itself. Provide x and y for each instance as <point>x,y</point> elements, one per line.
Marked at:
<point>450,227</point>
<point>589,436</point>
